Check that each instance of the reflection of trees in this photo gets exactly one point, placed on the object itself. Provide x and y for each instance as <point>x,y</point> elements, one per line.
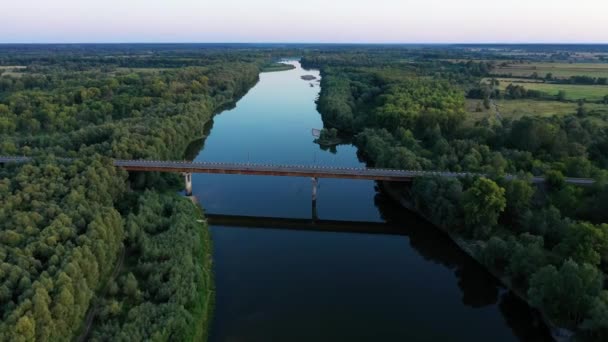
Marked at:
<point>479,288</point>
<point>197,146</point>
<point>332,149</point>
<point>435,246</point>
<point>525,318</point>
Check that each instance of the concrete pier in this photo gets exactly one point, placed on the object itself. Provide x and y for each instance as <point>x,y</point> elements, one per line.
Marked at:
<point>188,179</point>
<point>315,183</point>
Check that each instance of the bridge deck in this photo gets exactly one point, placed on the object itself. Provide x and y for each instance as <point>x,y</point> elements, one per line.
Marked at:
<point>290,170</point>
<point>278,170</point>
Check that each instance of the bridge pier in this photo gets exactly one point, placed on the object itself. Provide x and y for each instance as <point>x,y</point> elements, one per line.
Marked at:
<point>315,182</point>
<point>188,180</point>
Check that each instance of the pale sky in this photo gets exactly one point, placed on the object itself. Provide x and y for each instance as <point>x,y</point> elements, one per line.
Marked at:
<point>324,21</point>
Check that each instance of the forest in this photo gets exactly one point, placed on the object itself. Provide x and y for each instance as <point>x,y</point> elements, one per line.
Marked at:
<point>87,250</point>
<point>549,243</point>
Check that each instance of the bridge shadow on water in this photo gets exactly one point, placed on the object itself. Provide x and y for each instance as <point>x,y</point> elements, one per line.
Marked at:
<point>258,222</point>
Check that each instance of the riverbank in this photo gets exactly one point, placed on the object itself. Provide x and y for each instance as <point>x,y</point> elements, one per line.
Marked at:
<point>275,67</point>
<point>156,222</point>
<point>206,293</point>
<point>395,193</point>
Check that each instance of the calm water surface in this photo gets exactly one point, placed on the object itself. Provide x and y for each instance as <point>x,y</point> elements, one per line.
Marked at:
<point>286,285</point>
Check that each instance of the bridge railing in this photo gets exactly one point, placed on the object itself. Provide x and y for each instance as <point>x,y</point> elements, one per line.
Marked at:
<point>289,170</point>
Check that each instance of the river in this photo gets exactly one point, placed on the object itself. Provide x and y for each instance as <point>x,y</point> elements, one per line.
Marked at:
<point>294,285</point>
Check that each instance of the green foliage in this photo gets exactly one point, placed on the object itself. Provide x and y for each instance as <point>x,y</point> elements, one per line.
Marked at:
<point>597,323</point>
<point>555,179</point>
<point>482,203</point>
<point>518,194</point>
<point>495,253</point>
<point>61,238</point>
<point>584,243</point>
<point>164,293</point>
<point>568,293</point>
<point>439,199</point>
<point>527,257</point>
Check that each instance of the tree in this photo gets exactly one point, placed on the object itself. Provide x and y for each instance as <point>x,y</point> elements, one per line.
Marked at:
<point>518,194</point>
<point>486,103</point>
<point>527,256</point>
<point>561,95</point>
<point>439,199</point>
<point>555,179</point>
<point>566,294</point>
<point>584,243</point>
<point>581,109</point>
<point>483,202</point>
<point>596,323</point>
<point>130,285</point>
<point>606,100</point>
<point>25,330</point>
<point>495,254</point>
<point>549,77</point>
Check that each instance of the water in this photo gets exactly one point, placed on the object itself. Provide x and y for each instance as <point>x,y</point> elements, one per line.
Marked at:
<point>286,285</point>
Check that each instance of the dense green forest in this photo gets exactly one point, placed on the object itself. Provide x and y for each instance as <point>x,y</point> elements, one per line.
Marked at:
<point>85,251</point>
<point>549,243</point>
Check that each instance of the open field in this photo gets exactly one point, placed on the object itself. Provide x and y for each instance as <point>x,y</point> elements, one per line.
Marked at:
<point>515,109</point>
<point>12,67</point>
<point>12,70</point>
<point>559,70</point>
<point>573,91</point>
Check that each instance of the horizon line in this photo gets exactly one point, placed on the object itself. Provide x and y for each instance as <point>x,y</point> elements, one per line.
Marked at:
<point>303,43</point>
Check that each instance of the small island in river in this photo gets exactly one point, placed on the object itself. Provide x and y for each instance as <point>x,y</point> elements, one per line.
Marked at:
<point>308,77</point>
<point>328,137</point>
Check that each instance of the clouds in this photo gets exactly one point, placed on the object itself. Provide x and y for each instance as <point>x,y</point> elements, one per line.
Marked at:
<point>388,21</point>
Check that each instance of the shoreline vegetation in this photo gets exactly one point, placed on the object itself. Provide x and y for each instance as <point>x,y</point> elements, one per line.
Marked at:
<point>548,244</point>
<point>329,138</point>
<point>275,67</point>
<point>468,247</point>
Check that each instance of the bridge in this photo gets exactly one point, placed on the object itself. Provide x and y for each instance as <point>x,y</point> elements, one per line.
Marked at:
<point>314,172</point>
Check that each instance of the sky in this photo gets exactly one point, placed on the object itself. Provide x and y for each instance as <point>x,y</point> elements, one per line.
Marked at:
<point>304,21</point>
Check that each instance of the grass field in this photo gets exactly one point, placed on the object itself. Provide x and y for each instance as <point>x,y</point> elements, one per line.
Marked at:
<point>573,91</point>
<point>559,70</point>
<point>11,70</point>
<point>515,109</point>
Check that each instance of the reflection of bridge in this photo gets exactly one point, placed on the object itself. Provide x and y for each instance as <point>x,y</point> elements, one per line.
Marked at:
<point>304,224</point>
<point>314,172</point>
